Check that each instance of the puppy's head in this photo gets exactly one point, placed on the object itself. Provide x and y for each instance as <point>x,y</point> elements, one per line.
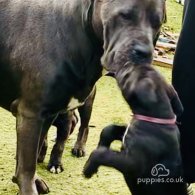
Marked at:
<point>137,86</point>
<point>146,91</point>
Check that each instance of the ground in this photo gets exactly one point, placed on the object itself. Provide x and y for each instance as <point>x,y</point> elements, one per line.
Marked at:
<point>109,107</point>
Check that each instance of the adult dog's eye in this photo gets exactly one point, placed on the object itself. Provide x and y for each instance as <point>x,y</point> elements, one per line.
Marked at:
<point>127,15</point>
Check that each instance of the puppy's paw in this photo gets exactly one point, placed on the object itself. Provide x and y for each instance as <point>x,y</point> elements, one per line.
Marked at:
<point>94,161</point>
<point>90,168</point>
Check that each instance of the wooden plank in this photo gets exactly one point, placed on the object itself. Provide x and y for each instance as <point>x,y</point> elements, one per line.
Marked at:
<point>163,62</point>
<point>165,45</point>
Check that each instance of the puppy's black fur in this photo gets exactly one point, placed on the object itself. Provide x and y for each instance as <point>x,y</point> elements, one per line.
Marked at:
<point>145,144</point>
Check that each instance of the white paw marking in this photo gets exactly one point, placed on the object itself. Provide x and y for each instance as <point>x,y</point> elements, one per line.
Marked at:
<point>52,170</point>
<point>58,170</point>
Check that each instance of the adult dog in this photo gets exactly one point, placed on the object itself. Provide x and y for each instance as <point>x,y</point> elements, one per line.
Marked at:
<point>150,142</point>
<point>50,54</point>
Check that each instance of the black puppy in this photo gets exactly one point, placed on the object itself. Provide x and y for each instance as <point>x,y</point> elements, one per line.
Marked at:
<point>150,157</point>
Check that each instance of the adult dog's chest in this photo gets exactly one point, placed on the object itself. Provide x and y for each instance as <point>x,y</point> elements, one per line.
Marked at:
<point>70,87</point>
<point>79,98</point>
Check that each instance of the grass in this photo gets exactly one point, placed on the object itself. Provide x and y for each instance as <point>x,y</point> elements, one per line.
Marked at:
<point>174,16</point>
<point>109,107</point>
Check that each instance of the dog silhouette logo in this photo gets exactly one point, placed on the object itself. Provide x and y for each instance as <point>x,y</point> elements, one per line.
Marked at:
<point>160,170</point>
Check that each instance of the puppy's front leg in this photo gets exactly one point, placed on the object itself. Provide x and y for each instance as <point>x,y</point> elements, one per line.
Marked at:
<point>106,157</point>
<point>111,133</point>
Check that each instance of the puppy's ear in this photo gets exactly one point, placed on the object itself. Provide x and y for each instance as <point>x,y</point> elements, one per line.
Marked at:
<point>175,101</point>
<point>146,91</point>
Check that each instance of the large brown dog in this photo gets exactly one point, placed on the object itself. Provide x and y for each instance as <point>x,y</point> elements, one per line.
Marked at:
<point>50,53</point>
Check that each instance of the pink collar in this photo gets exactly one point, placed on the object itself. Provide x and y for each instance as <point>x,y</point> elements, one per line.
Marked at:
<point>155,120</point>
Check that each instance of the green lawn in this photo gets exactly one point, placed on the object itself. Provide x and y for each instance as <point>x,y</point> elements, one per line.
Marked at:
<point>174,13</point>
<point>109,107</point>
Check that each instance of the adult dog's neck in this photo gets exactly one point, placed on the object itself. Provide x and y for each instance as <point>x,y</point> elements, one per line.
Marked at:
<point>96,19</point>
<point>92,22</point>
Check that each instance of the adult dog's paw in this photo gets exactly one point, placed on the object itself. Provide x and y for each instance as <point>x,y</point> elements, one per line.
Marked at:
<point>42,187</point>
<point>78,151</point>
<point>55,168</point>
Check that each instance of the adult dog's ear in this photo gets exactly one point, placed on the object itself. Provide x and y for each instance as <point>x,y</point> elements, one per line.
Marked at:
<point>145,90</point>
<point>165,13</point>
<point>175,101</point>
<point>164,20</point>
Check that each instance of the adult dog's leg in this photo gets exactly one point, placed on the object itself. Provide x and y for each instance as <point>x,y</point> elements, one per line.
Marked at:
<point>85,115</point>
<point>111,133</point>
<point>43,139</point>
<point>109,158</point>
<point>63,125</point>
<point>28,124</point>
<point>43,150</point>
<point>60,122</point>
<point>41,186</point>
<point>74,122</point>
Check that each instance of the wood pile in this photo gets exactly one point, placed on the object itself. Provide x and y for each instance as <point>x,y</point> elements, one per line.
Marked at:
<point>165,49</point>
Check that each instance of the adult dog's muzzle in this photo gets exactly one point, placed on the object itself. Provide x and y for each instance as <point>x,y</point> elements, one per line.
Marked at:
<point>141,54</point>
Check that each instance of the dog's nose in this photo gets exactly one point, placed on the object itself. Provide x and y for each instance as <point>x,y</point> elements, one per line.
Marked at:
<point>142,52</point>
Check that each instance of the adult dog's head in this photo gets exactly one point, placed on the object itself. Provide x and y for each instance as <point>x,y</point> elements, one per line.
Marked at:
<point>127,29</point>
